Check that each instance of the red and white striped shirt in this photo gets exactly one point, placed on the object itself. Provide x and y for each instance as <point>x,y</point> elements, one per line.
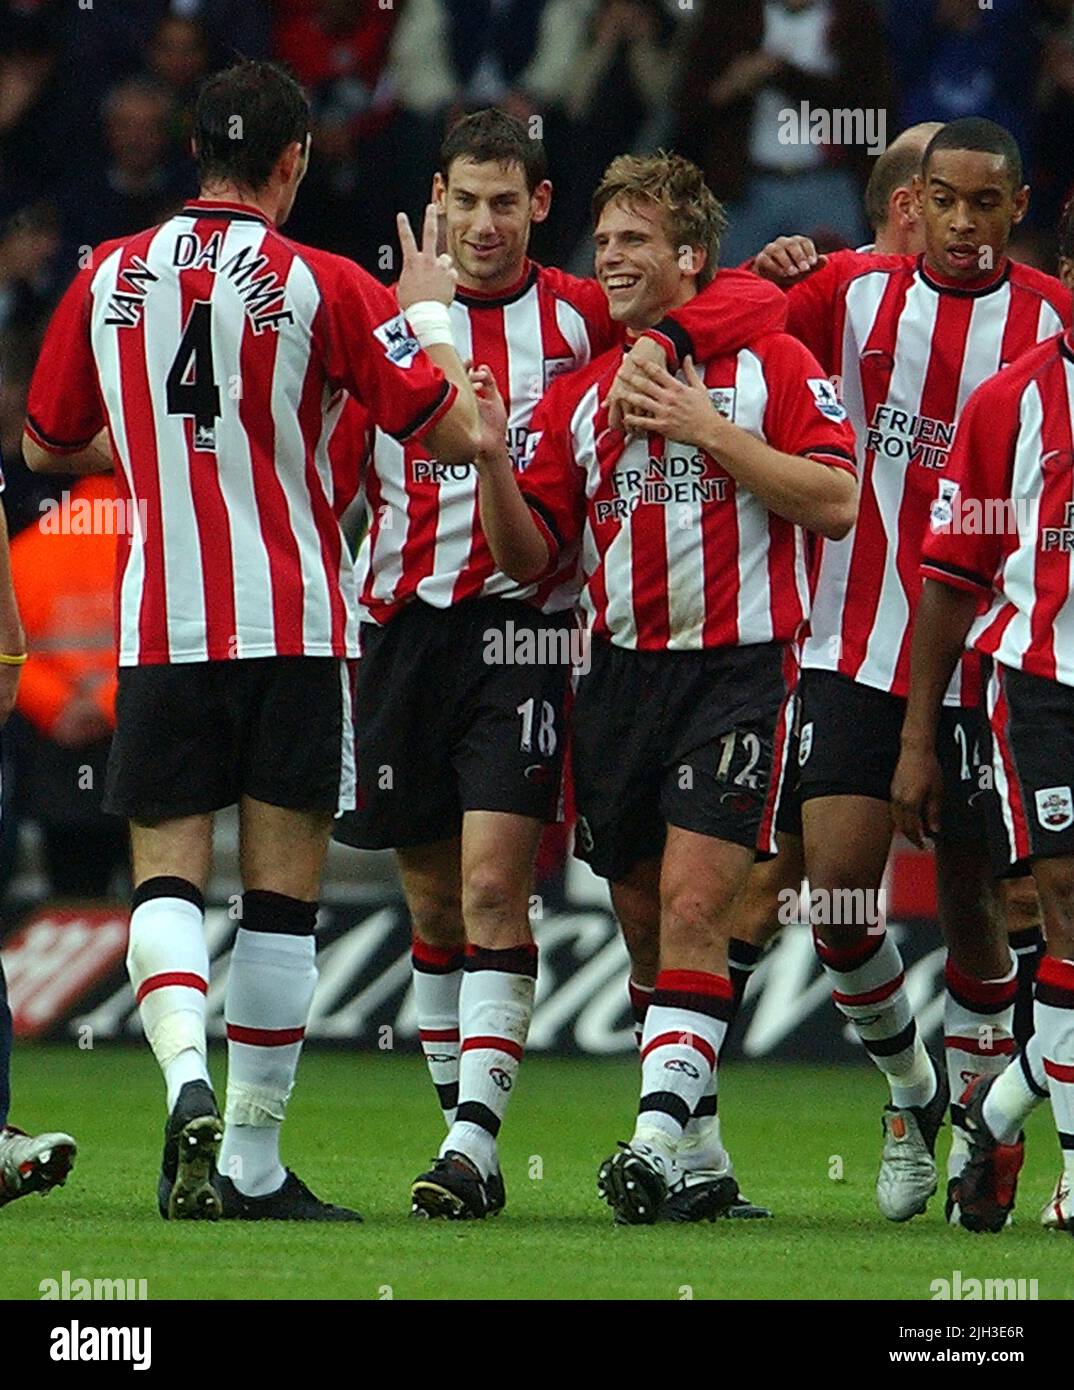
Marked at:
<point>218,352</point>
<point>908,348</point>
<point>425,539</point>
<point>1004,527</point>
<point>675,555</point>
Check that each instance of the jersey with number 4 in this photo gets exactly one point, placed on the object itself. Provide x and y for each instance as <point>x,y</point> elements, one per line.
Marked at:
<point>220,355</point>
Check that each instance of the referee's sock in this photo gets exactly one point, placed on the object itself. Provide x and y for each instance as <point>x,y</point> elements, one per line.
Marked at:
<point>168,964</point>
<point>270,987</point>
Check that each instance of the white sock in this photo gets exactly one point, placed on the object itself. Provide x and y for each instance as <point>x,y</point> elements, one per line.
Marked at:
<point>495,1008</point>
<point>270,989</point>
<point>1014,1095</point>
<point>685,1026</point>
<point>978,1025</point>
<point>437,975</point>
<point>1053,1015</point>
<point>168,965</point>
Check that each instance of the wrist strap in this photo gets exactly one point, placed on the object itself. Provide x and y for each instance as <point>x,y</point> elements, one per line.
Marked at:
<point>19,660</point>
<point>431,323</point>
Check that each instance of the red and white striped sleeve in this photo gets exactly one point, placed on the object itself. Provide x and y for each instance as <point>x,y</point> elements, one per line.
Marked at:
<point>64,409</point>
<point>369,349</point>
<point>551,482</point>
<point>980,466</point>
<point>804,415</point>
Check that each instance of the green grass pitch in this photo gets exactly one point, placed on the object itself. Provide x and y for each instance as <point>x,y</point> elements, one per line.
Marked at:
<point>362,1125</point>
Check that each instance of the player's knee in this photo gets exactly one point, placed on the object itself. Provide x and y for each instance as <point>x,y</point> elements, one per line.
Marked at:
<point>493,898</point>
<point>691,917</point>
<point>1021,905</point>
<point>1057,896</point>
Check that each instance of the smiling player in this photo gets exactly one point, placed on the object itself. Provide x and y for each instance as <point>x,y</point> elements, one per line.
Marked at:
<point>693,585</point>
<point>910,338</point>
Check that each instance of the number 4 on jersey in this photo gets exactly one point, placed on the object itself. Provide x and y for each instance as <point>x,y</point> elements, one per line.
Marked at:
<point>191,386</point>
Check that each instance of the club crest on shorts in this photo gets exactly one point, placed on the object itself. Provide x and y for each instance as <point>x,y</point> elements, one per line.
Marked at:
<point>585,835</point>
<point>805,743</point>
<point>1055,807</point>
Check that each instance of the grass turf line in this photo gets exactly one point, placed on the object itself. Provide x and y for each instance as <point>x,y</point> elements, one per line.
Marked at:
<point>361,1126</point>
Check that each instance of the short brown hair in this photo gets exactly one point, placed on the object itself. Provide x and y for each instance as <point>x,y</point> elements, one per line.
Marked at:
<point>493,136</point>
<point>695,217</point>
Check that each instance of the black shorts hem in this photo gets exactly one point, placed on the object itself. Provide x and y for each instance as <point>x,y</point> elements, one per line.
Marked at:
<point>154,813</point>
<point>811,791</point>
<point>355,836</point>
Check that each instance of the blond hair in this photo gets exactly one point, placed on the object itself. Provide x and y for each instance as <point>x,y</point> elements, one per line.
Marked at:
<point>693,214</point>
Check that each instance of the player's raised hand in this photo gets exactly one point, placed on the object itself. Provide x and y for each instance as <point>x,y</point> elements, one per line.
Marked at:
<point>916,794</point>
<point>680,410</point>
<point>787,260</point>
<point>425,275</point>
<point>491,411</point>
<point>644,350</point>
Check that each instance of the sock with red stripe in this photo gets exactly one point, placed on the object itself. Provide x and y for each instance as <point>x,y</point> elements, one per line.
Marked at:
<point>869,989</point>
<point>168,965</point>
<point>1054,1019</point>
<point>495,1007</point>
<point>270,988</point>
<point>1016,1093</point>
<point>437,978</point>
<point>641,996</point>
<point>978,1023</point>
<point>703,1127</point>
<point>684,1030</point>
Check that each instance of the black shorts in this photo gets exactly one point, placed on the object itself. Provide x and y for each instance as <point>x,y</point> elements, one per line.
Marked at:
<point>195,737</point>
<point>674,738</point>
<point>458,709</point>
<point>1031,722</point>
<point>788,818</point>
<point>849,744</point>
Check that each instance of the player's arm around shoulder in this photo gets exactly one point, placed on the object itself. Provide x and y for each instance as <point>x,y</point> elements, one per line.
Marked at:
<point>804,472</point>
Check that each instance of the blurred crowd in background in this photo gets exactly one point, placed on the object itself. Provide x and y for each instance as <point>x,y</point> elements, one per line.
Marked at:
<point>95,102</point>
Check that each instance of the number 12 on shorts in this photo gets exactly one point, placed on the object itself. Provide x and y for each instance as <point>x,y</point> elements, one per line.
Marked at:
<point>747,777</point>
<point>546,727</point>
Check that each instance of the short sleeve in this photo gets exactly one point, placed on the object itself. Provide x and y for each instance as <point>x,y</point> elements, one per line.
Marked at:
<point>370,350</point>
<point>979,467</point>
<point>804,415</point>
<point>551,481</point>
<point>64,409</point>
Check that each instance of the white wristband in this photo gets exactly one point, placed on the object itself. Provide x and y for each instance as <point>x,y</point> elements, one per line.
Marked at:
<point>431,323</point>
